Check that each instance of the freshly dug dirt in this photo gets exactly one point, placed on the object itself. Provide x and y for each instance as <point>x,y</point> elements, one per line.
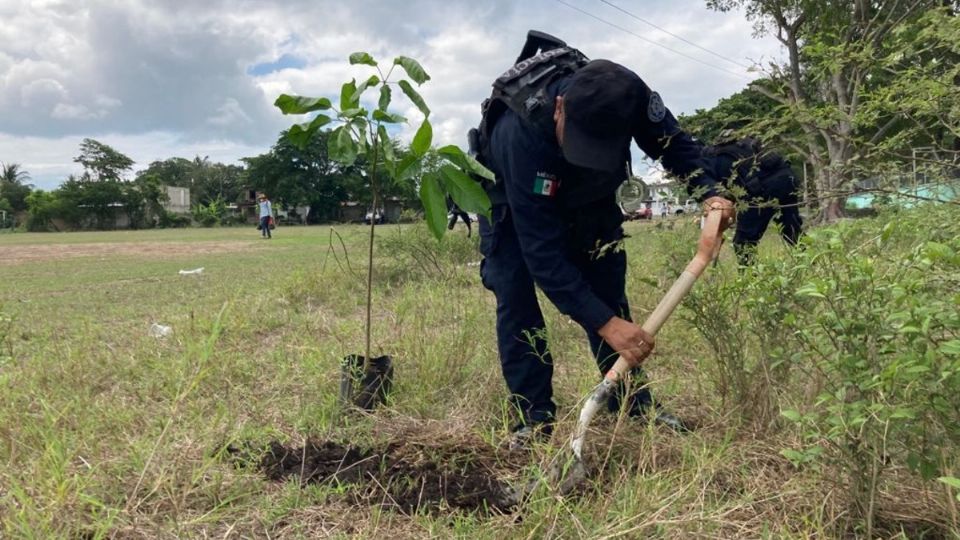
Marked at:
<point>403,476</point>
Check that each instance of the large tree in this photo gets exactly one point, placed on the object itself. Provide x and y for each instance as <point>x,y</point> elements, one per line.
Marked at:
<point>832,67</point>
<point>294,176</point>
<point>208,181</point>
<point>101,162</point>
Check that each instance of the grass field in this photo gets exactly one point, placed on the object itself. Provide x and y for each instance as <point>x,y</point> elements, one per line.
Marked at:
<point>106,431</point>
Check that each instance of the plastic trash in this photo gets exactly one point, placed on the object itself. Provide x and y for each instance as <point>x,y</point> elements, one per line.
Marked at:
<point>473,263</point>
<point>159,330</point>
<point>194,272</point>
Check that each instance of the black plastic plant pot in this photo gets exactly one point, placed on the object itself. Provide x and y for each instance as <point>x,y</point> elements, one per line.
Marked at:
<point>365,388</point>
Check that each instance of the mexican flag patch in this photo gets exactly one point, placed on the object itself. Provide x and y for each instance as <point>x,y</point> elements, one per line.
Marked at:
<point>546,184</point>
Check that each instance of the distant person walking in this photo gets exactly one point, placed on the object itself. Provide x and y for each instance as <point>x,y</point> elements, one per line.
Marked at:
<point>266,216</point>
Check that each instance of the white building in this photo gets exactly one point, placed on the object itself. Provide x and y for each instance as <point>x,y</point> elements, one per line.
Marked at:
<point>178,200</point>
<point>664,199</point>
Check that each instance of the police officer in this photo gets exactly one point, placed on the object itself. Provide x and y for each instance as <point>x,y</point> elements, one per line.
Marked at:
<point>769,187</point>
<point>559,151</point>
<point>457,213</point>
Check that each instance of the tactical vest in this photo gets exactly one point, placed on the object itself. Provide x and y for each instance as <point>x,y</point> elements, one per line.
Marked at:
<point>763,175</point>
<point>523,90</point>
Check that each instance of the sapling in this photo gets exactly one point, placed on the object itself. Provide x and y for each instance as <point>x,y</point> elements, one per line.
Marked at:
<point>362,135</point>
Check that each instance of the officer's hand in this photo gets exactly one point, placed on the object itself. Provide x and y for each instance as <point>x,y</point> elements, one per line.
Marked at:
<point>724,205</point>
<point>628,339</point>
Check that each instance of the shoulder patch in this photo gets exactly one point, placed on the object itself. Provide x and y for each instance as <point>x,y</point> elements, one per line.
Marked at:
<point>656,111</point>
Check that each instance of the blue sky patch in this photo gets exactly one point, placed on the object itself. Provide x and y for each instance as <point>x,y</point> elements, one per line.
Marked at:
<point>286,61</point>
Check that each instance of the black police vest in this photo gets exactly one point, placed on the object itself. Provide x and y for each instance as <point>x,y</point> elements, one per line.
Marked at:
<point>523,90</point>
<point>763,175</point>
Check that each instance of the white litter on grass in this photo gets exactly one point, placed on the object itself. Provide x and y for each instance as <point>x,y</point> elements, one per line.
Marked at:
<point>193,272</point>
<point>474,263</point>
<point>159,330</point>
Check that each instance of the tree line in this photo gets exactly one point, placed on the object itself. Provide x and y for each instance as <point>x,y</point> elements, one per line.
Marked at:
<point>292,176</point>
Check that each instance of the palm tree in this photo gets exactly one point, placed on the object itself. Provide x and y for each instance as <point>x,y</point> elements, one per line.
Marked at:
<point>13,173</point>
<point>13,185</point>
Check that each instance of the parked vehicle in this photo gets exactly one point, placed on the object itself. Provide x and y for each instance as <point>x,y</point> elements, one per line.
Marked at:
<point>689,207</point>
<point>378,218</point>
<point>644,212</point>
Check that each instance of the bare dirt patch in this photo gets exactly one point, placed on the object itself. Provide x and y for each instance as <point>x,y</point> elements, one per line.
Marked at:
<point>49,252</point>
<point>403,476</point>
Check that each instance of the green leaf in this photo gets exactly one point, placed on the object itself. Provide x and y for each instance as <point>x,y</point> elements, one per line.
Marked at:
<point>407,167</point>
<point>811,291</point>
<point>791,415</point>
<point>385,143</point>
<point>415,97</point>
<point>342,147</point>
<point>388,118</point>
<point>362,58</point>
<point>353,113</point>
<point>795,457</point>
<point>346,95</point>
<point>902,414</point>
<point>434,205</point>
<point>928,469</point>
<point>360,124</point>
<point>455,155</point>
<point>423,138</point>
<point>300,105</point>
<point>951,347</point>
<point>950,481</point>
<point>299,134</point>
<point>413,68</point>
<point>887,231</point>
<point>372,81</point>
<point>384,98</point>
<point>466,192</point>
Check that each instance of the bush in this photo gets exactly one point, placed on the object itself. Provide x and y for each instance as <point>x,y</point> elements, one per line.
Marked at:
<point>211,214</point>
<point>882,336</point>
<point>742,314</point>
<point>868,312</point>
<point>169,220</point>
<point>409,215</point>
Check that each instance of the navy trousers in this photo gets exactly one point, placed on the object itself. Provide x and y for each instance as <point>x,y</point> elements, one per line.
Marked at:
<point>525,358</point>
<point>753,222</point>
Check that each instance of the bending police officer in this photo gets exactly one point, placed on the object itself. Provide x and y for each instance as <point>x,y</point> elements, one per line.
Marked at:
<point>769,186</point>
<point>557,133</point>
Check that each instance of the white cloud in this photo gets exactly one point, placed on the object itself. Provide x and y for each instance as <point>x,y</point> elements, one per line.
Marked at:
<point>158,79</point>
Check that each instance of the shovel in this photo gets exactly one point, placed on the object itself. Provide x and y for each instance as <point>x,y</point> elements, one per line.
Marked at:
<point>571,473</point>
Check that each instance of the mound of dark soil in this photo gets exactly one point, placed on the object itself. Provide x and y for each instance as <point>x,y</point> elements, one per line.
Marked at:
<point>400,476</point>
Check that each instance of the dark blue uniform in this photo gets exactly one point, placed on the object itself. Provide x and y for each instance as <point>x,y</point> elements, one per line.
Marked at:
<point>558,227</point>
<point>777,199</point>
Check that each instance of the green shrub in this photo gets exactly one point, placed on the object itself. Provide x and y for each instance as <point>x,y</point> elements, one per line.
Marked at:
<point>169,220</point>
<point>883,337</point>
<point>209,215</point>
<point>744,316</point>
<point>856,336</point>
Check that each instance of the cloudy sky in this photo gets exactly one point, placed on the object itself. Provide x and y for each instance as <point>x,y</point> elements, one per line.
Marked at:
<point>163,78</point>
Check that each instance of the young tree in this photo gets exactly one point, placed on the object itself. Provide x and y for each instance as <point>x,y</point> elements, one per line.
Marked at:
<point>365,134</point>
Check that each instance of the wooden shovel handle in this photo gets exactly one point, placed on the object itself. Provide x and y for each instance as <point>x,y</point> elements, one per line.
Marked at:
<point>707,250</point>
